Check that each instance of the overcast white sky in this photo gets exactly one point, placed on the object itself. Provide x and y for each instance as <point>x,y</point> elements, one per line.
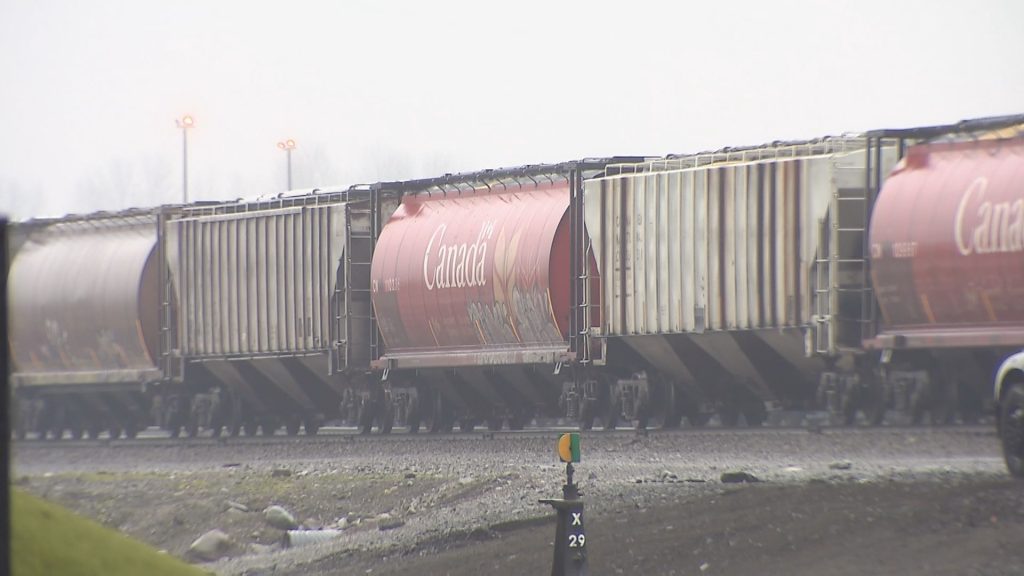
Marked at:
<point>391,90</point>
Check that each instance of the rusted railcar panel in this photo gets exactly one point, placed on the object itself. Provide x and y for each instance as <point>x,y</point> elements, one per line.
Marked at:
<point>84,302</point>
<point>479,277</point>
<point>947,233</point>
<point>256,281</point>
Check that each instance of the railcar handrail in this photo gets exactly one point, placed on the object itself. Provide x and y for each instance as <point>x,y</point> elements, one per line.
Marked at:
<point>772,151</point>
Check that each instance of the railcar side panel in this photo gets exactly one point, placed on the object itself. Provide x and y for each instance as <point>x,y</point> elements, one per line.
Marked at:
<point>84,303</point>
<point>721,247</point>
<point>480,277</point>
<point>947,234</point>
<point>248,283</point>
<point>736,261</point>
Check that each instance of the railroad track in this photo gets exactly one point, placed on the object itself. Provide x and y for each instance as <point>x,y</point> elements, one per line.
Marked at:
<point>350,436</point>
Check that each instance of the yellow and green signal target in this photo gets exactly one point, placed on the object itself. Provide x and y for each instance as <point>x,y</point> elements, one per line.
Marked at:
<point>569,447</point>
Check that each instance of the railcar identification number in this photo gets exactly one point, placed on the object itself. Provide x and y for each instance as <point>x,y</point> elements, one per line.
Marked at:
<point>904,249</point>
<point>577,540</point>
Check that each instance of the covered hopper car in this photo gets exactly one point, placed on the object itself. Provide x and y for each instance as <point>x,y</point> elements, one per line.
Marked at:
<point>85,323</point>
<point>865,275</point>
<point>274,324</point>
<point>709,268</point>
<point>483,313</point>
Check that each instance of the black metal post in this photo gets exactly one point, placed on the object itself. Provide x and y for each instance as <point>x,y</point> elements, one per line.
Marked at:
<point>570,491</point>
<point>570,538</point>
<point>5,411</point>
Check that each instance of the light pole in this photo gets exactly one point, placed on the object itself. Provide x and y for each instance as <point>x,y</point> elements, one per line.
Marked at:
<point>185,122</point>
<point>288,146</point>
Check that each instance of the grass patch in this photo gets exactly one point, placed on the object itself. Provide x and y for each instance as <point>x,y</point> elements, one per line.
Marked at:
<point>47,539</point>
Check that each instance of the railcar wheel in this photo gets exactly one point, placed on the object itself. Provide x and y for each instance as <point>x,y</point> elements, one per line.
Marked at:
<point>467,425</point>
<point>695,416</point>
<point>755,413</point>
<point>611,420</point>
<point>673,407</point>
<point>414,420</point>
<point>268,427</point>
<point>642,417</point>
<point>42,426</point>
<point>217,423</point>
<point>233,417</point>
<point>366,414</point>
<point>233,422</point>
<point>292,426</point>
<point>970,402</point>
<point>588,407</point>
<point>876,406</point>
<point>698,419</point>
<point>1011,428</point>
<point>387,419</point>
<point>494,424</point>
<point>729,415</point>
<point>251,427</point>
<point>115,432</point>
<point>412,417</point>
<point>56,428</point>
<point>131,430</point>
<point>944,403</point>
<point>442,421</point>
<point>643,411</point>
<point>443,425</point>
<point>518,421</point>
<point>311,425</point>
<point>918,405</point>
<point>192,428</point>
<point>673,420</point>
<point>848,408</point>
<point>94,431</point>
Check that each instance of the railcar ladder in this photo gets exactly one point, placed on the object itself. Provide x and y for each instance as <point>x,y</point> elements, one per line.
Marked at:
<point>579,264</point>
<point>171,363</point>
<point>842,293</point>
<point>874,178</point>
<point>357,259</point>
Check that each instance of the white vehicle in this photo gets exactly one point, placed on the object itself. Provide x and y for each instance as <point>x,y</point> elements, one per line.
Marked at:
<point>1009,397</point>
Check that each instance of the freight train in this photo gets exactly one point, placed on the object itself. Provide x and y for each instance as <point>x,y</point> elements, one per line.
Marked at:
<point>866,275</point>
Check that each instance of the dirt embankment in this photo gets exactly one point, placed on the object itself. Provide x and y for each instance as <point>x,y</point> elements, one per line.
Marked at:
<point>974,526</point>
<point>875,502</point>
